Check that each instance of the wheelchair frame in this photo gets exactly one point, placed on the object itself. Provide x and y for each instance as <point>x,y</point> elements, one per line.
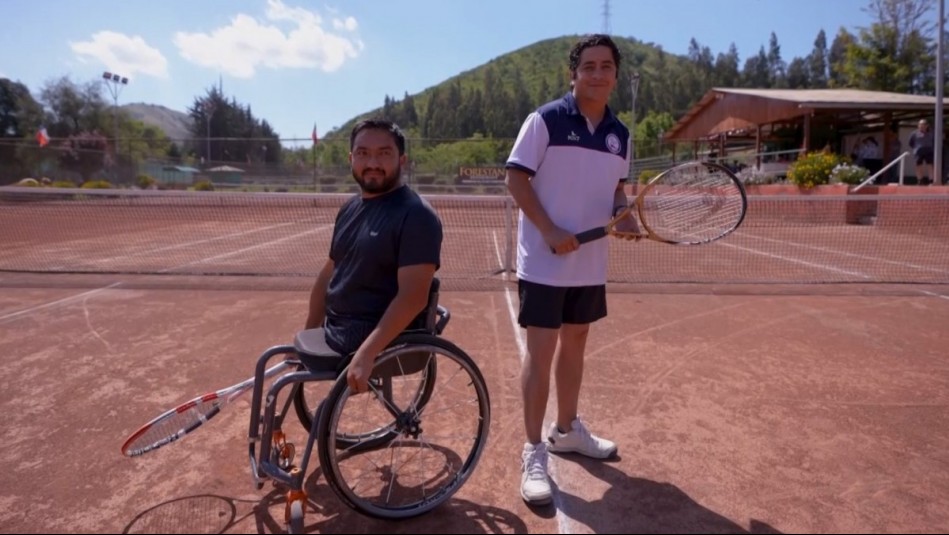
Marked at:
<point>416,360</point>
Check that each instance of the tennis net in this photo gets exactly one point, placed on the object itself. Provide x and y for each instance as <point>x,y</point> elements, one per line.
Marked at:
<point>784,239</point>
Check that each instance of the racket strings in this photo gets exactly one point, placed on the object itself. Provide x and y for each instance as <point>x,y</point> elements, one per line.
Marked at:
<point>693,206</point>
<point>174,425</point>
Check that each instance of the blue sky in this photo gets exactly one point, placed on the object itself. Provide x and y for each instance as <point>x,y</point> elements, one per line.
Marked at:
<point>300,62</point>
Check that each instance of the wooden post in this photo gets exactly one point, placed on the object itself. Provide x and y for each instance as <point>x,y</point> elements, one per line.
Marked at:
<point>758,147</point>
<point>807,132</point>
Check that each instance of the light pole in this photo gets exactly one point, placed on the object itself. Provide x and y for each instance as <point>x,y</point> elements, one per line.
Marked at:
<point>115,83</point>
<point>938,176</point>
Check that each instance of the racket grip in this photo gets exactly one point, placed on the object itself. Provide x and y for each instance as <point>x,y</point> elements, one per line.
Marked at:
<point>589,235</point>
<point>592,234</point>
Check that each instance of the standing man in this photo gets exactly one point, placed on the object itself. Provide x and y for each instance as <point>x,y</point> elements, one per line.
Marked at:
<point>385,250</point>
<point>566,173</point>
<point>922,142</point>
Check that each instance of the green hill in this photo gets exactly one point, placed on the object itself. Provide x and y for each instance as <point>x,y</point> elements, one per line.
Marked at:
<point>493,99</point>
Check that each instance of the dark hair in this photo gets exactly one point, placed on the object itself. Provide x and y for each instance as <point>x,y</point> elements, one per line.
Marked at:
<point>379,124</point>
<point>597,39</point>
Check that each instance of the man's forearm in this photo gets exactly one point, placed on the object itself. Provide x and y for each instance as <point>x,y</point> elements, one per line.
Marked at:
<point>400,312</point>
<point>518,183</point>
<point>619,198</point>
<point>317,311</point>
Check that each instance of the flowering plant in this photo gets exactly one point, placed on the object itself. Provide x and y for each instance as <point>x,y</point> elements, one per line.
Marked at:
<point>813,169</point>
<point>848,174</point>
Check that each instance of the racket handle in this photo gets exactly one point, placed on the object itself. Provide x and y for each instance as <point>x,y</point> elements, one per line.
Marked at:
<point>592,234</point>
<point>588,235</point>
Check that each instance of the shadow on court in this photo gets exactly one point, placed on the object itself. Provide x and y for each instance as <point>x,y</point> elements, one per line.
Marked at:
<point>325,513</point>
<point>637,505</point>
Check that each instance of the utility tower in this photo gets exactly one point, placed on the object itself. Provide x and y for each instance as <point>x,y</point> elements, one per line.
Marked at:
<point>607,29</point>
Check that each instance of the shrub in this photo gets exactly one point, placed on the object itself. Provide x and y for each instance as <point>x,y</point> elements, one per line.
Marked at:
<point>145,181</point>
<point>813,169</point>
<point>203,185</point>
<point>848,174</point>
<point>64,184</point>
<point>96,184</point>
<point>646,175</point>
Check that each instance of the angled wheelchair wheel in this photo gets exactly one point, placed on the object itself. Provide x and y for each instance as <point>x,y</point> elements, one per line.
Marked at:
<point>436,440</point>
<point>310,398</point>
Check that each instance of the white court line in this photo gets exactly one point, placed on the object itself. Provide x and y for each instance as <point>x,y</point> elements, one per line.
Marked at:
<point>518,335</point>
<point>819,266</point>
<point>245,249</point>
<point>563,520</point>
<point>190,243</point>
<point>844,253</point>
<point>796,260</point>
<point>17,314</point>
<point>20,313</point>
<point>934,294</point>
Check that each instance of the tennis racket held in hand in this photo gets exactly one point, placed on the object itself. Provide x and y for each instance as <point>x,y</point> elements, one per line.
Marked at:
<point>174,424</point>
<point>689,204</point>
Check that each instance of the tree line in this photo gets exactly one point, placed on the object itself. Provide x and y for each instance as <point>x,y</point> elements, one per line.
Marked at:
<point>88,138</point>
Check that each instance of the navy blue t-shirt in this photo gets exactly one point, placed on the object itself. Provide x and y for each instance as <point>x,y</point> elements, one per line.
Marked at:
<point>372,239</point>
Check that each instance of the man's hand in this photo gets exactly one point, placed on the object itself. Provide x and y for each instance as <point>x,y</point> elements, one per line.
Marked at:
<point>561,241</point>
<point>359,371</point>
<point>628,227</point>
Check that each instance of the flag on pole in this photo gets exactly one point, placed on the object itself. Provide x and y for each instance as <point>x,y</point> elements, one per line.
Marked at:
<point>313,135</point>
<point>42,137</point>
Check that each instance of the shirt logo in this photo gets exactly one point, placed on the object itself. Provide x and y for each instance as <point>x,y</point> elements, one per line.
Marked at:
<point>573,137</point>
<point>373,233</point>
<point>612,143</point>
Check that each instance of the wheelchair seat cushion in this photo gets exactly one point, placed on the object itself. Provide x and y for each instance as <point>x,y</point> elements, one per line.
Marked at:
<point>313,351</point>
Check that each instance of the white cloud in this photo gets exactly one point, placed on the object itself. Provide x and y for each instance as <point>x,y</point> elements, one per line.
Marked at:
<point>247,44</point>
<point>126,55</point>
<point>348,24</point>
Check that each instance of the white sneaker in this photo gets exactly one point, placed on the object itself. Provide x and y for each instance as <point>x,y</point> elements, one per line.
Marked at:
<point>535,486</point>
<point>578,439</point>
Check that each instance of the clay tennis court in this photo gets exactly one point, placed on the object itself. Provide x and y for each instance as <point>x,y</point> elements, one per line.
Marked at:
<point>754,404</point>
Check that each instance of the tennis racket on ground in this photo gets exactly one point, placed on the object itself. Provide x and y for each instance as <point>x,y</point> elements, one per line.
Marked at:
<point>185,418</point>
<point>690,204</point>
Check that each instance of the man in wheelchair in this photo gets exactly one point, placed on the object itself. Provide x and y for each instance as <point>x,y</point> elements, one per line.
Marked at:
<point>384,253</point>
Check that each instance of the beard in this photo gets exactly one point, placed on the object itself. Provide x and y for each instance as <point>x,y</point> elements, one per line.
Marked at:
<point>387,184</point>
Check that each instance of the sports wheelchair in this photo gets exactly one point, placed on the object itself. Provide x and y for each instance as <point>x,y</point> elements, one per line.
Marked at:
<point>397,451</point>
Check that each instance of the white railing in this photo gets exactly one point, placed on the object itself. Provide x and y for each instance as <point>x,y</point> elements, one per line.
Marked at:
<point>902,161</point>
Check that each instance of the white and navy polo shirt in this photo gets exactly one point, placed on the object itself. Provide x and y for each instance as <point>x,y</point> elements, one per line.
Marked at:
<point>575,172</point>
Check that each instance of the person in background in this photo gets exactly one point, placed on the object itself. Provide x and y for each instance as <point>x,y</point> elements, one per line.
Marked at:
<point>869,155</point>
<point>921,141</point>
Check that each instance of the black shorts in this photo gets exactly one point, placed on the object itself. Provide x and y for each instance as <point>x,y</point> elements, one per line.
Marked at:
<point>924,157</point>
<point>552,306</point>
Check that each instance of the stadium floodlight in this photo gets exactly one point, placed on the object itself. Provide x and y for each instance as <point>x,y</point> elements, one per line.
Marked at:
<point>114,83</point>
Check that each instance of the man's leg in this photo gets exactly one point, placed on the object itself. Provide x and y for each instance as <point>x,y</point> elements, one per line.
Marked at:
<point>582,306</point>
<point>569,372</point>
<point>535,379</point>
<point>540,316</point>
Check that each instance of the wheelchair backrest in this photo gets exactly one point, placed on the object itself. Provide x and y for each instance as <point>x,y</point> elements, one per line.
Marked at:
<point>428,318</point>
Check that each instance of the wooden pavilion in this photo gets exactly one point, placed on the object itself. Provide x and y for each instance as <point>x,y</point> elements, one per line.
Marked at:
<point>805,119</point>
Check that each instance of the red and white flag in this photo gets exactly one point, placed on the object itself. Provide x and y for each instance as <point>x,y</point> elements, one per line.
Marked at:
<point>313,135</point>
<point>42,137</point>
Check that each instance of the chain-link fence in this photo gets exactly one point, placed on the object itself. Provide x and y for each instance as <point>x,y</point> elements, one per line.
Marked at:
<point>468,166</point>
